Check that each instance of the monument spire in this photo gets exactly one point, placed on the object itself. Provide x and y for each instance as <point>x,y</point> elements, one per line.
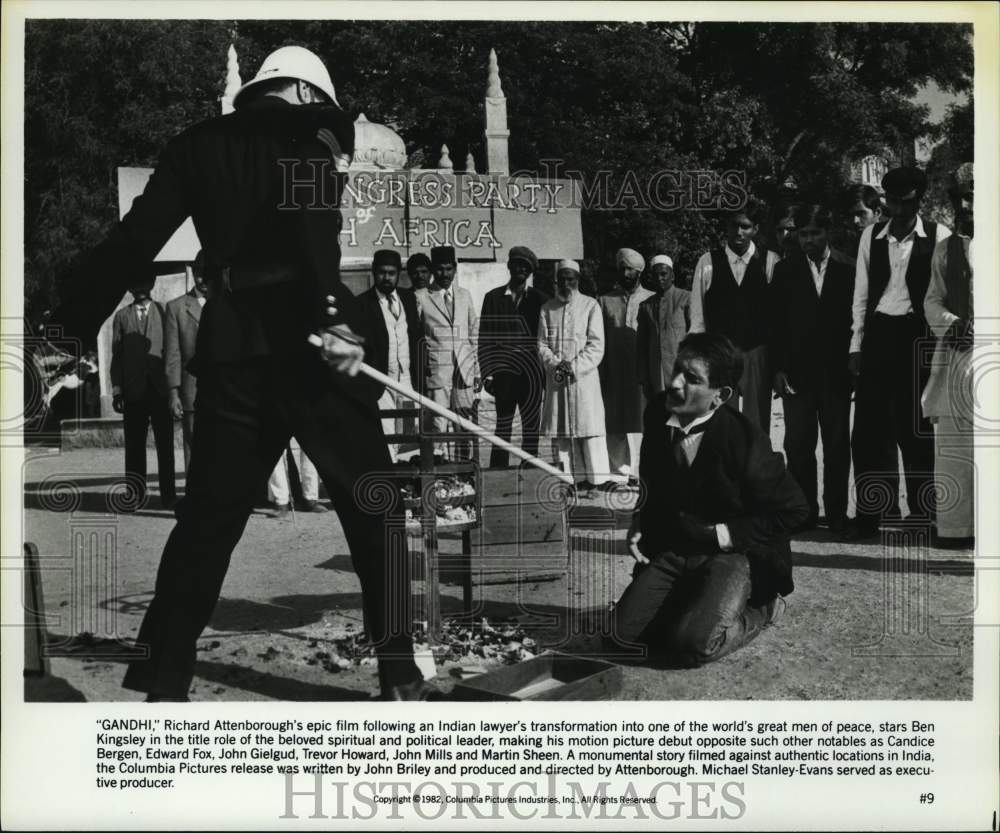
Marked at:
<point>497,134</point>
<point>233,80</point>
<point>445,163</point>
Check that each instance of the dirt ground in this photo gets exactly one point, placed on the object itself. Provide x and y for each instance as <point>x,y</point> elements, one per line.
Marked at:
<point>874,621</point>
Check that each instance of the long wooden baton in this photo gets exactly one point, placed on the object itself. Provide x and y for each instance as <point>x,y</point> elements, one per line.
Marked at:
<point>451,416</point>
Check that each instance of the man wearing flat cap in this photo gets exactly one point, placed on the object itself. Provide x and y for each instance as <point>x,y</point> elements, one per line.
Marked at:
<point>892,274</point>
<point>664,320</point>
<point>730,296</point>
<point>508,353</point>
<point>394,324</point>
<point>624,401</point>
<point>449,326</point>
<point>948,398</point>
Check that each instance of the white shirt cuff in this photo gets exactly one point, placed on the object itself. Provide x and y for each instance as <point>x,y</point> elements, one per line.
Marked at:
<point>725,540</point>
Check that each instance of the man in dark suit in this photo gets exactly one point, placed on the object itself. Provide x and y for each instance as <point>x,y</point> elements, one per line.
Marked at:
<point>711,537</point>
<point>813,290</point>
<point>395,337</point>
<point>263,187</point>
<point>180,336</point>
<point>892,274</point>
<point>508,353</point>
<point>139,391</point>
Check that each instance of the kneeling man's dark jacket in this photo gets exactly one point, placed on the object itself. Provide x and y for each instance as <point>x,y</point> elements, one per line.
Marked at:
<point>735,479</point>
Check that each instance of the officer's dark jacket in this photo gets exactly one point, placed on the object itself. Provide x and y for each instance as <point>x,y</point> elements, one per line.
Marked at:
<point>262,189</point>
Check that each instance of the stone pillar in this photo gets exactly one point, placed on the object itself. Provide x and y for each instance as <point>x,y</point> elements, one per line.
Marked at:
<point>233,81</point>
<point>497,134</point>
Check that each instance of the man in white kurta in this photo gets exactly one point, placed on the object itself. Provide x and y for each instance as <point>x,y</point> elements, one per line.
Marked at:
<point>948,399</point>
<point>571,346</point>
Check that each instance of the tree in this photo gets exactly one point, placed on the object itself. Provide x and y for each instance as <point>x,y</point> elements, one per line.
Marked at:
<point>129,87</point>
<point>622,101</point>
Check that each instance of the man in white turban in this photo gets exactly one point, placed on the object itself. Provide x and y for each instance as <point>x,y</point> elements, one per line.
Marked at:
<point>624,402</point>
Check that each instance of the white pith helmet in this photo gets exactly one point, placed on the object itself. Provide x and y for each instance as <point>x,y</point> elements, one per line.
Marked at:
<point>296,63</point>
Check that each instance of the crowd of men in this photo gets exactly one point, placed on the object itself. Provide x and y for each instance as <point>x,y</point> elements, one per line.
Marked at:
<point>668,390</point>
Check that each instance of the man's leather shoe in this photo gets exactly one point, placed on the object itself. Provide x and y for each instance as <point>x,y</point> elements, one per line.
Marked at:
<point>313,506</point>
<point>414,690</point>
<point>839,526</point>
<point>855,531</point>
<point>280,510</point>
<point>162,698</point>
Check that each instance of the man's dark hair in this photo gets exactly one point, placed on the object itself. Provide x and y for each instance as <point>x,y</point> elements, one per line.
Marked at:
<point>724,359</point>
<point>785,211</point>
<point>864,194</point>
<point>813,215</point>
<point>418,259</point>
<point>753,211</point>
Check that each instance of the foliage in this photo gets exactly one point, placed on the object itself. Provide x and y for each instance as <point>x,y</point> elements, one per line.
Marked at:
<point>778,101</point>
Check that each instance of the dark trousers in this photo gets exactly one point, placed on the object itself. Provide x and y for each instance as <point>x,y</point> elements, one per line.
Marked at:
<point>691,610</point>
<point>187,428</point>
<point>824,411</point>
<point>524,392</point>
<point>887,414</point>
<point>244,417</point>
<point>754,399</point>
<point>137,416</point>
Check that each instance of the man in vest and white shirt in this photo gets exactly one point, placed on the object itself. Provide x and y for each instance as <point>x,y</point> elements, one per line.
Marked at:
<point>889,334</point>
<point>729,296</point>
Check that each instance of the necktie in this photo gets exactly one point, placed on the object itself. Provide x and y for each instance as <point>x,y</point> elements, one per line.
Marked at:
<point>141,313</point>
<point>394,306</point>
<point>677,438</point>
<point>449,304</point>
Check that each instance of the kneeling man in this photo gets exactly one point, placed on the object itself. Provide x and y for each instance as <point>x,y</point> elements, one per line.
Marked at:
<point>711,535</point>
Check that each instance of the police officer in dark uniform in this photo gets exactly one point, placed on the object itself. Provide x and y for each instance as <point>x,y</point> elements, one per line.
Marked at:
<point>263,186</point>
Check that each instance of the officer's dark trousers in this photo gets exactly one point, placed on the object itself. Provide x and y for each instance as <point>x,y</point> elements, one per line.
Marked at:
<point>244,416</point>
<point>887,413</point>
<point>822,410</point>
<point>523,391</point>
<point>137,416</point>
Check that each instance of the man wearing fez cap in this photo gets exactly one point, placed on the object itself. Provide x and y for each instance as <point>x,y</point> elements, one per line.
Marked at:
<point>418,268</point>
<point>508,353</point>
<point>394,324</point>
<point>274,270</point>
<point>664,320</point>
<point>624,400</point>
<point>892,274</point>
<point>948,398</point>
<point>449,326</point>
